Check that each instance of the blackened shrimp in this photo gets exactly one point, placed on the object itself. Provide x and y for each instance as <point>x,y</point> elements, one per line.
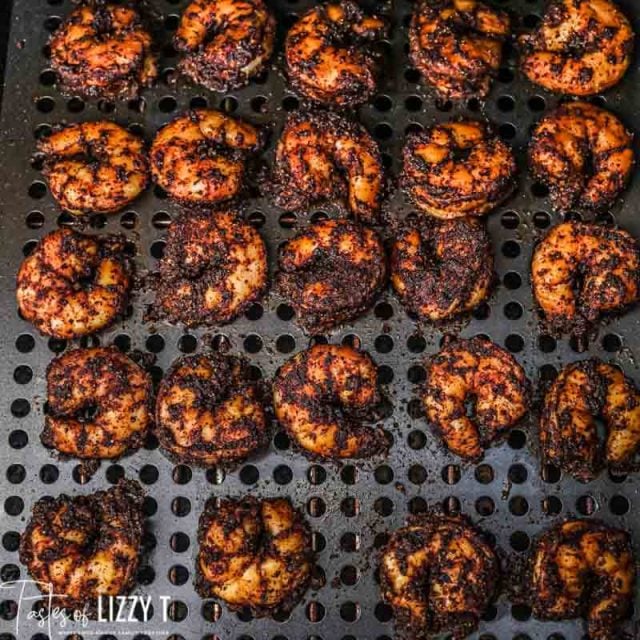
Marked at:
<point>331,273</point>
<point>321,397</point>
<point>583,154</point>
<point>328,53</point>
<point>479,372</point>
<point>73,285</point>
<point>583,569</point>
<point>254,553</point>
<point>83,547</point>
<point>581,271</point>
<point>103,50</point>
<point>200,157</point>
<point>209,412</point>
<point>224,42</point>
<point>322,156</point>
<point>99,404</point>
<point>442,269</point>
<point>457,169</point>
<point>583,394</point>
<point>580,48</point>
<point>94,167</point>
<point>457,45</point>
<point>439,574</point>
<point>213,267</point>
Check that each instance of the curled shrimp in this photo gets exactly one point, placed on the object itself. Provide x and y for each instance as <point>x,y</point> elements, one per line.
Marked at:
<point>327,54</point>
<point>225,42</point>
<point>94,167</point>
<point>200,157</point>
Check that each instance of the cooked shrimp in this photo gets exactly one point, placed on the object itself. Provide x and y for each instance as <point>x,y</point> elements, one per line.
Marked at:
<point>103,50</point>
<point>214,266</point>
<point>480,372</point>
<point>583,569</point>
<point>200,157</point>
<point>209,412</point>
<point>582,394</point>
<point>457,169</point>
<point>323,156</point>
<point>83,547</point>
<point>73,285</point>
<point>328,55</point>
<point>254,553</point>
<point>105,382</point>
<point>580,48</point>
<point>457,45</point>
<point>225,42</point>
<point>439,574</point>
<point>94,167</point>
<point>331,273</point>
<point>322,395</point>
<point>582,271</point>
<point>442,269</point>
<point>583,154</point>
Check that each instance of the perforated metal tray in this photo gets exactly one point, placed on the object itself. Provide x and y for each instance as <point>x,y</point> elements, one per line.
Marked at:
<point>350,507</point>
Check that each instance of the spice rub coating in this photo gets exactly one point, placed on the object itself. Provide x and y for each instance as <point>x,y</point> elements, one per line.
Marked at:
<point>584,393</point>
<point>106,382</point>
<point>328,54</point>
<point>208,411</point>
<point>457,45</point>
<point>583,569</point>
<point>73,285</point>
<point>323,395</point>
<point>254,553</point>
<point>331,272</point>
<point>457,169</point>
<point>441,269</point>
<point>439,574</point>
<point>85,546</point>
<point>103,50</point>
<point>581,271</point>
<point>479,372</point>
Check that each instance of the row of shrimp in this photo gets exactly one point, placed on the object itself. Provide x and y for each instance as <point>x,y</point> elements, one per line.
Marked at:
<point>580,47</point>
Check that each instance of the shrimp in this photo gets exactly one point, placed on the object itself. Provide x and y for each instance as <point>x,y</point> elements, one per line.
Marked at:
<point>225,42</point>
<point>321,396</point>
<point>94,167</point>
<point>73,285</point>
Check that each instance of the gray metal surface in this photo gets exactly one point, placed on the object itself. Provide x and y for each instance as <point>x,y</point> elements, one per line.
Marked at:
<point>351,507</point>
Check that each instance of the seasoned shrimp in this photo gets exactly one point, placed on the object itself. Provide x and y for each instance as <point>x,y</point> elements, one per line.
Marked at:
<point>457,45</point>
<point>580,48</point>
<point>225,42</point>
<point>208,412</point>
<point>480,372</point>
<point>583,569</point>
<point>457,169</point>
<point>73,285</point>
<point>94,167</point>
<point>439,574</point>
<point>254,553</point>
<point>331,273</point>
<point>442,269</point>
<point>200,157</point>
<point>582,271</point>
<point>583,154</point>
<point>582,394</point>
<point>105,382</point>
<point>83,547</point>
<point>323,156</point>
<point>214,266</point>
<point>322,395</point>
<point>103,50</point>
<point>328,54</point>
